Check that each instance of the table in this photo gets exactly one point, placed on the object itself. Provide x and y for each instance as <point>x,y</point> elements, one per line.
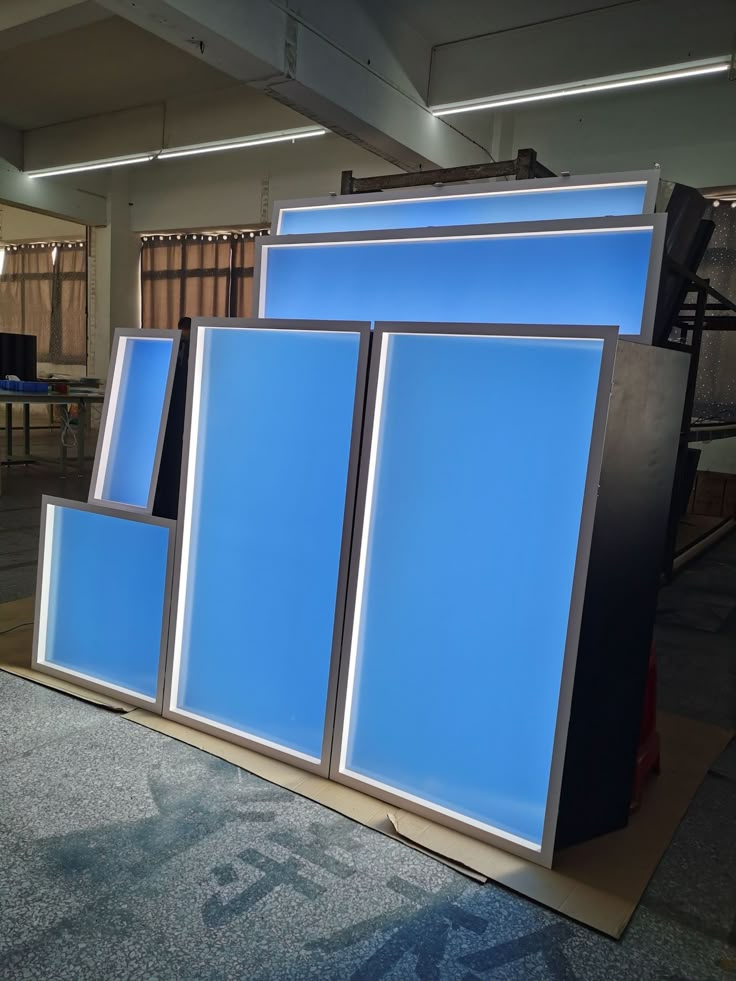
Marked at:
<point>81,399</point>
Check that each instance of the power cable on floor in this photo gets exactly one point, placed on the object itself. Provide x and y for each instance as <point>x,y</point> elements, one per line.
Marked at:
<point>9,630</point>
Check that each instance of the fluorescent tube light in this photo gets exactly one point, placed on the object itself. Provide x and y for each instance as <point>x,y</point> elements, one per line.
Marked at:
<point>710,66</point>
<point>282,136</point>
<point>279,136</point>
<point>93,165</point>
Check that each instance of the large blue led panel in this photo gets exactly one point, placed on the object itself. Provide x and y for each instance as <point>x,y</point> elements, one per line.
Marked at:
<point>103,599</point>
<point>131,434</point>
<point>480,454</point>
<point>262,530</point>
<point>511,201</point>
<point>574,273</point>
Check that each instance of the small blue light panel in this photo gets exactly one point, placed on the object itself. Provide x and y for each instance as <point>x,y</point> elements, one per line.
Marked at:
<point>103,597</point>
<point>475,208</point>
<point>264,517</point>
<point>128,455</point>
<point>591,276</point>
<point>472,522</point>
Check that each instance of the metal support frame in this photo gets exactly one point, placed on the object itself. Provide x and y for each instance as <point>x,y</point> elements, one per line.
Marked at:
<point>694,318</point>
<point>524,167</point>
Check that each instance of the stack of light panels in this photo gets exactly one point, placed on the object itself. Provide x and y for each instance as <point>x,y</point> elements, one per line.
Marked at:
<point>358,589</point>
<point>105,567</point>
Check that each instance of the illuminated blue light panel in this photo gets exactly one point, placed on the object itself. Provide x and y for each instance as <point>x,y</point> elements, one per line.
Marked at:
<point>128,459</point>
<point>265,519</point>
<point>591,277</point>
<point>468,209</point>
<point>104,590</point>
<point>475,499</point>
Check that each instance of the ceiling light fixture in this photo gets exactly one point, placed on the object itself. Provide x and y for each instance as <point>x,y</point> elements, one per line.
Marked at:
<point>708,66</point>
<point>282,136</point>
<point>92,165</point>
<point>279,136</point>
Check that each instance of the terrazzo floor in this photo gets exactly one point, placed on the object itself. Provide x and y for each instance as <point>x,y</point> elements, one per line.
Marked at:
<point>127,855</point>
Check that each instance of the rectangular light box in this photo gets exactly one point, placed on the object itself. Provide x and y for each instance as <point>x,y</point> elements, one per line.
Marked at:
<point>134,415</point>
<point>262,532</point>
<point>480,464</point>
<point>476,204</point>
<point>587,271</point>
<point>103,599</point>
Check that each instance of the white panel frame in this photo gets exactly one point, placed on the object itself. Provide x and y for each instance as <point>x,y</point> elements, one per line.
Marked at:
<point>171,710</point>
<point>650,178</point>
<point>43,584</point>
<point>540,854</point>
<point>110,412</point>
<point>528,229</point>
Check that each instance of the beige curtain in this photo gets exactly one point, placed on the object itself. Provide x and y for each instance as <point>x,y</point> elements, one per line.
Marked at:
<point>46,298</point>
<point>161,265</point>
<point>11,320</point>
<point>241,292</point>
<point>187,276</point>
<point>69,310</point>
<point>26,287</point>
<point>205,277</point>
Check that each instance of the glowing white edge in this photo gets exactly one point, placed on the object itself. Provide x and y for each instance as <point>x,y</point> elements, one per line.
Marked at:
<point>48,555</point>
<point>100,682</point>
<point>263,274</point>
<point>112,420</point>
<point>223,727</point>
<point>186,521</point>
<point>582,88</point>
<point>452,238</point>
<point>490,829</point>
<point>365,536</point>
<point>433,199</point>
<point>185,555</point>
<point>360,587</point>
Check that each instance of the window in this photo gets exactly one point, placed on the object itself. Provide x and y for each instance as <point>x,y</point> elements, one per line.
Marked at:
<point>43,291</point>
<point>192,275</point>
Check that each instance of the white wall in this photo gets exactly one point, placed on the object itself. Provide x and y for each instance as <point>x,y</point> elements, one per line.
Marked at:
<point>238,187</point>
<point>718,456</point>
<point>689,128</point>
<point>17,225</point>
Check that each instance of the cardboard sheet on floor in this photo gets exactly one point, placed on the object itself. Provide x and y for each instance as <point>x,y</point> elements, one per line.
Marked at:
<point>598,883</point>
<point>16,647</point>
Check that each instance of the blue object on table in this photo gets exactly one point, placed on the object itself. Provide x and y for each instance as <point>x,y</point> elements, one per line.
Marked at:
<point>30,387</point>
<point>463,207</point>
<point>264,523</point>
<point>577,276</point>
<point>473,510</point>
<point>104,597</point>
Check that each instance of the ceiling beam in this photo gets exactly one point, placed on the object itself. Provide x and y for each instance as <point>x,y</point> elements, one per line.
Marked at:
<point>620,38</point>
<point>51,198</point>
<point>265,45</point>
<point>24,21</point>
<point>11,146</point>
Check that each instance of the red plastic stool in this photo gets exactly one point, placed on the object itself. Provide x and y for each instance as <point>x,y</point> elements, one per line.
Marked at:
<point>647,757</point>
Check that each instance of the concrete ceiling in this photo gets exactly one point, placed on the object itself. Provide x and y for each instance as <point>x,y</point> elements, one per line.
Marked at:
<point>443,22</point>
<point>100,67</point>
<point>365,69</point>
